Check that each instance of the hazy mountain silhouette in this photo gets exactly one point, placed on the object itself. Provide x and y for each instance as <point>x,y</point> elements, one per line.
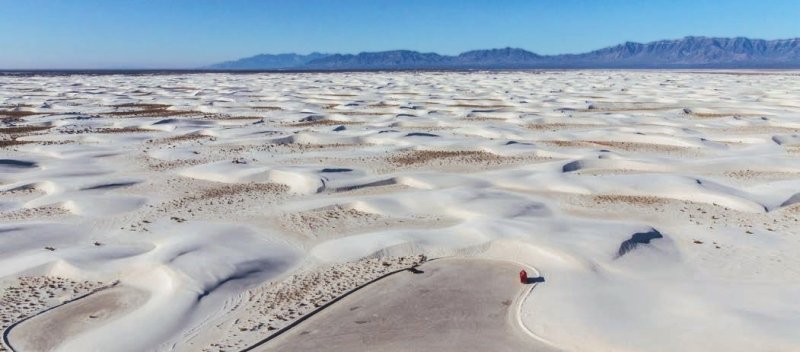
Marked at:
<point>689,52</point>
<point>268,62</point>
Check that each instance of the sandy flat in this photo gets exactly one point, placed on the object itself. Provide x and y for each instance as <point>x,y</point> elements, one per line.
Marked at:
<point>48,330</point>
<point>453,305</point>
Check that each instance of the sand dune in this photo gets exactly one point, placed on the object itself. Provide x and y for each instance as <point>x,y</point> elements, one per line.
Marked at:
<point>662,207</point>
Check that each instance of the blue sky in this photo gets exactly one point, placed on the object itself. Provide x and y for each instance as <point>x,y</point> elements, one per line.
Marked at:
<point>183,33</point>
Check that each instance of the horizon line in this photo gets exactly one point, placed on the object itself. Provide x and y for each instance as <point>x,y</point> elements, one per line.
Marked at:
<point>204,67</point>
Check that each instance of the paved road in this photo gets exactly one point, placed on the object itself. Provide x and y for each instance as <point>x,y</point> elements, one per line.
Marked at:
<point>455,305</point>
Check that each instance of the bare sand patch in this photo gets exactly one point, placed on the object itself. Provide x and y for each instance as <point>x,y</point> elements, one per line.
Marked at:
<point>71,319</point>
<point>29,295</point>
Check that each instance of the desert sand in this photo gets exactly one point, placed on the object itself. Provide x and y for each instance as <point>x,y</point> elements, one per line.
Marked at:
<point>190,212</point>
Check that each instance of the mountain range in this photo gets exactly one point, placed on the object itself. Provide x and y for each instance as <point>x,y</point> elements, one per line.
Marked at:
<point>688,52</point>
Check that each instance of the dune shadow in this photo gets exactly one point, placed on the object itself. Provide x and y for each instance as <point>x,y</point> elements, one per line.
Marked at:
<point>534,280</point>
<point>637,239</point>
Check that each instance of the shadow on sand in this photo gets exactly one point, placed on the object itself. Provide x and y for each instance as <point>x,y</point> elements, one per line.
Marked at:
<point>533,280</point>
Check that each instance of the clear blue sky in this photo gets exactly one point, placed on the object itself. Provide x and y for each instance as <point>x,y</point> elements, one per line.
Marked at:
<point>191,33</point>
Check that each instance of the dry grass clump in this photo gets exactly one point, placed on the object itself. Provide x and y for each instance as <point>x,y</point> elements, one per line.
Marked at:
<point>287,147</point>
<point>417,157</point>
<point>566,144</point>
<point>180,138</point>
<point>626,146</point>
<point>12,143</point>
<point>148,110</point>
<point>558,126</point>
<point>753,129</point>
<point>230,117</point>
<point>748,174</point>
<point>625,108</point>
<point>360,113</point>
<point>483,118</point>
<point>16,114</point>
<point>23,129</point>
<point>123,130</point>
<point>239,188</point>
<point>636,147</point>
<point>163,165</point>
<point>338,95</point>
<point>322,122</point>
<point>216,200</point>
<point>31,213</point>
<point>714,115</point>
<point>266,108</point>
<point>186,137</point>
<point>479,106</point>
<point>16,131</point>
<point>327,218</point>
<point>633,200</point>
<point>14,106</point>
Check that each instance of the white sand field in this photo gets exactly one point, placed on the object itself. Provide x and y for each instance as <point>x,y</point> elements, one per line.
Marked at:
<point>205,212</point>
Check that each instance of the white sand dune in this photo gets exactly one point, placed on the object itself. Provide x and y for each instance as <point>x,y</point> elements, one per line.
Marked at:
<point>661,207</point>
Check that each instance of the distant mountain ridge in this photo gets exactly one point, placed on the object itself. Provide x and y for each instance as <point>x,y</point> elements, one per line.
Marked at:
<point>268,61</point>
<point>688,52</point>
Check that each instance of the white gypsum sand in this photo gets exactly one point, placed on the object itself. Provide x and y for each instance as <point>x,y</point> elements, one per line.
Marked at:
<point>661,207</point>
